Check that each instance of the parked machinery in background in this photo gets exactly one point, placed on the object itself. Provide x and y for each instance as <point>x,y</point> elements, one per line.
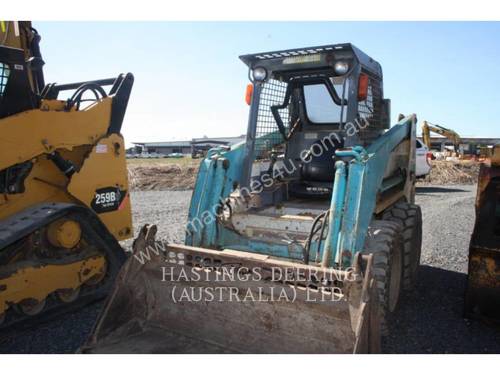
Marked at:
<point>484,152</point>
<point>452,135</point>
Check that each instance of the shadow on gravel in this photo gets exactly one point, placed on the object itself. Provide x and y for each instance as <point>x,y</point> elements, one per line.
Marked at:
<point>62,335</point>
<point>430,319</point>
<point>438,189</point>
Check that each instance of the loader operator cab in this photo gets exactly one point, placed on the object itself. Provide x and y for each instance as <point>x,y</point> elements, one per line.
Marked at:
<point>21,68</point>
<point>306,104</point>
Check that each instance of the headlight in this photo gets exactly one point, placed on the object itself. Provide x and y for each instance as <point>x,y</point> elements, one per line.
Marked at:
<point>259,74</point>
<point>341,67</point>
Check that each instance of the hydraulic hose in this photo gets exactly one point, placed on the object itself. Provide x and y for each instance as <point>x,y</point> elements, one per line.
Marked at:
<point>311,235</point>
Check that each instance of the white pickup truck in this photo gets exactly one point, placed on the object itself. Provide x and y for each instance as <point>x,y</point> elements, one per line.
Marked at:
<point>423,160</point>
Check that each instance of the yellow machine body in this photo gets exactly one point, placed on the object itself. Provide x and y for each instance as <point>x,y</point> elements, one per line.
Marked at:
<point>64,196</point>
<point>100,158</point>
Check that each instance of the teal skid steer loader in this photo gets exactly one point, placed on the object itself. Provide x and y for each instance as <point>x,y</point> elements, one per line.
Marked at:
<point>299,240</point>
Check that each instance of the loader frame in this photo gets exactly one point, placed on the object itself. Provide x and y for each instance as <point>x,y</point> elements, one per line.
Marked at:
<point>360,195</point>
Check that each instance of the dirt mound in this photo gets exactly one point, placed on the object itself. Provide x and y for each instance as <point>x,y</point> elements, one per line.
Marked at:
<point>452,173</point>
<point>162,177</point>
<point>182,176</point>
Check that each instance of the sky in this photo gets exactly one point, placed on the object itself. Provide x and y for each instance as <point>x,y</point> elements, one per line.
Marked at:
<point>189,81</point>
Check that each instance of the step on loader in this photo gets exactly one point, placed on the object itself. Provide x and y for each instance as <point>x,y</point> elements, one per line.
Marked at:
<point>299,240</point>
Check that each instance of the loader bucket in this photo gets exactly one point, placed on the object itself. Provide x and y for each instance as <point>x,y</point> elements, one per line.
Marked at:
<point>482,297</point>
<point>192,300</point>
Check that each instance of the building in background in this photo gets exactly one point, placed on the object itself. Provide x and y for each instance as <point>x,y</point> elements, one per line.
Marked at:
<point>200,146</point>
<point>164,148</point>
<point>196,147</point>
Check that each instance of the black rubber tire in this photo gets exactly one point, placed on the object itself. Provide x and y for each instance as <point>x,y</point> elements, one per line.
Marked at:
<point>409,216</point>
<point>385,241</point>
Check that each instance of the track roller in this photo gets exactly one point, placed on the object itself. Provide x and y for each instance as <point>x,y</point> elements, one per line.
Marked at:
<point>31,307</point>
<point>68,295</point>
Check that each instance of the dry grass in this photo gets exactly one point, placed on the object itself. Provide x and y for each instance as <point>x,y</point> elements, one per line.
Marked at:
<point>180,174</point>
<point>452,173</point>
<point>162,174</point>
<point>186,161</point>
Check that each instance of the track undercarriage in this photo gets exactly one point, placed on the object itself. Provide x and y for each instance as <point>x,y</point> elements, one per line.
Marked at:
<point>33,268</point>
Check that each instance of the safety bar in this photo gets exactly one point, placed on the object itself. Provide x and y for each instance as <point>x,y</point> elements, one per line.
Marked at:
<point>51,91</point>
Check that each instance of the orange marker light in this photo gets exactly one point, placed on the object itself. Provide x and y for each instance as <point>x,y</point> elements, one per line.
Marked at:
<point>363,87</point>
<point>249,93</point>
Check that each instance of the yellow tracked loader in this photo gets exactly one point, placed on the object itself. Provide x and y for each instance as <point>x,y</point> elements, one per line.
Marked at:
<point>64,200</point>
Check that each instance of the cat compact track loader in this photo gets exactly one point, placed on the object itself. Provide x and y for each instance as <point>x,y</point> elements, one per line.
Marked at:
<point>64,200</point>
<point>299,240</point>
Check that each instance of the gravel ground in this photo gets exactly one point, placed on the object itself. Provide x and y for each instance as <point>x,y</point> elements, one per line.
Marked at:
<point>430,317</point>
<point>167,209</point>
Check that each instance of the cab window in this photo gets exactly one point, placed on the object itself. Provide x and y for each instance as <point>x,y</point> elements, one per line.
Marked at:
<point>4,76</point>
<point>320,106</point>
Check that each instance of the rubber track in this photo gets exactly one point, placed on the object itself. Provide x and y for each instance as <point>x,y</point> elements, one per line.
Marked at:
<point>94,231</point>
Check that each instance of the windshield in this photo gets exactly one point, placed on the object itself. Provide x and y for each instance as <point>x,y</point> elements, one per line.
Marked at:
<point>320,106</point>
<point>278,116</point>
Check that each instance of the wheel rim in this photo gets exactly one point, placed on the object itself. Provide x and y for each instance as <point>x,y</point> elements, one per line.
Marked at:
<point>395,281</point>
<point>68,295</point>
<point>32,307</point>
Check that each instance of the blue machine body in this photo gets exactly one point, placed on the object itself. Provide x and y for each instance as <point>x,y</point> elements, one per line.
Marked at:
<point>358,182</point>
